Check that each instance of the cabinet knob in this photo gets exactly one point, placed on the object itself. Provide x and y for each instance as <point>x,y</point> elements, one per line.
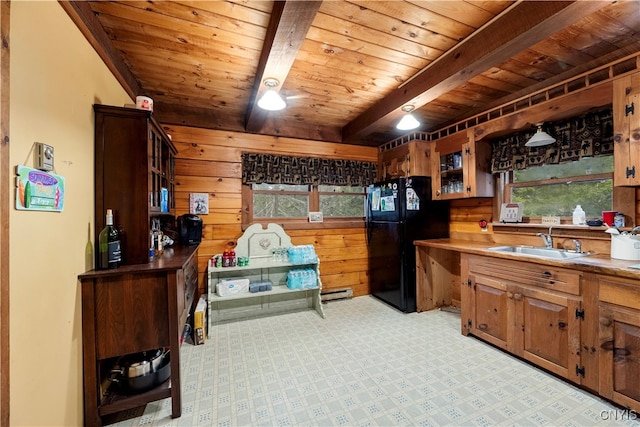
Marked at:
<point>562,325</point>
<point>483,326</point>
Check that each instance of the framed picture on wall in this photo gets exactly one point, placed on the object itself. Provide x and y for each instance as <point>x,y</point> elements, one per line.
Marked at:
<point>199,203</point>
<point>315,217</point>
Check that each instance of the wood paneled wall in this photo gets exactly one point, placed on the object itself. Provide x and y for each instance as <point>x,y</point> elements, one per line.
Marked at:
<point>208,161</point>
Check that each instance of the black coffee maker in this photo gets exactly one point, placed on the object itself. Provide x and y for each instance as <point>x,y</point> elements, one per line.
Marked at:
<point>189,229</point>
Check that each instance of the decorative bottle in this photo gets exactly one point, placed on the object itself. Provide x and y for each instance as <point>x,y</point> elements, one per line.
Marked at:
<point>109,245</point>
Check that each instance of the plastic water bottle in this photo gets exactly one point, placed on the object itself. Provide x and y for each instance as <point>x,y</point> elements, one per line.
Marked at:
<point>579,217</point>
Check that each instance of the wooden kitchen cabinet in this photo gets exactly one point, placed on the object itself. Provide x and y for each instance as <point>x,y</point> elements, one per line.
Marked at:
<point>532,311</point>
<point>461,167</point>
<point>619,335</point>
<point>626,130</point>
<point>408,159</point>
<point>134,165</point>
<point>129,310</point>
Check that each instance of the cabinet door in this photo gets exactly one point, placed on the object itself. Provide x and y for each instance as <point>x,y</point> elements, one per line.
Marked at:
<point>155,169</point>
<point>620,355</point>
<point>447,164</point>
<point>393,163</point>
<point>550,331</point>
<point>491,311</point>
<point>478,180</point>
<point>461,167</point>
<point>626,123</point>
<point>187,286</point>
<point>419,159</point>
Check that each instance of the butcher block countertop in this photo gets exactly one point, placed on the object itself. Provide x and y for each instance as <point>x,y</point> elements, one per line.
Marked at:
<point>594,263</point>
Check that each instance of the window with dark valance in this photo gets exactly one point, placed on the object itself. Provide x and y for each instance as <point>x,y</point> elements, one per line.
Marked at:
<point>260,168</point>
<point>588,135</point>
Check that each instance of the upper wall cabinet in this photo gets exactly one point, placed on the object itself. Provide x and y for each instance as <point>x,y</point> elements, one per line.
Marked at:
<point>626,130</point>
<point>134,175</point>
<point>461,167</point>
<point>408,159</point>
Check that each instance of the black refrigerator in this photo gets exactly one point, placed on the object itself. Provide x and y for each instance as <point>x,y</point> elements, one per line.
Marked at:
<point>400,211</point>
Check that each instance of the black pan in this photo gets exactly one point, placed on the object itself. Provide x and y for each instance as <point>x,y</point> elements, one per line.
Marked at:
<point>142,383</point>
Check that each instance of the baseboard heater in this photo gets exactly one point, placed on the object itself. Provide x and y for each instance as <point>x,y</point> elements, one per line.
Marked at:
<point>336,294</point>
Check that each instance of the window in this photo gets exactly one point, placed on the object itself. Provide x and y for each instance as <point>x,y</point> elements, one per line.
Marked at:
<point>556,189</point>
<point>338,201</point>
<point>287,189</point>
<point>292,203</point>
<point>280,201</point>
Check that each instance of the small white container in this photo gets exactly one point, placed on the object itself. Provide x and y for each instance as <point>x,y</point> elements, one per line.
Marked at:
<point>144,103</point>
<point>625,246</point>
<point>579,217</point>
<point>227,287</point>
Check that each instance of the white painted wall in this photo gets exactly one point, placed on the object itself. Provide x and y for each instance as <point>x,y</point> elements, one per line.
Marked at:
<point>56,77</point>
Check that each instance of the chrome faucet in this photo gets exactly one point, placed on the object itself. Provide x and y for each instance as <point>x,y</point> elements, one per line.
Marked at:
<point>547,238</point>
<point>578,245</point>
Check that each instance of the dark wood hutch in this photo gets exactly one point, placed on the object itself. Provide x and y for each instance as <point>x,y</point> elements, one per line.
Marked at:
<point>144,304</point>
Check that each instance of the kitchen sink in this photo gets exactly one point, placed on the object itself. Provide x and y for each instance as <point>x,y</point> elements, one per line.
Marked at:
<point>550,253</point>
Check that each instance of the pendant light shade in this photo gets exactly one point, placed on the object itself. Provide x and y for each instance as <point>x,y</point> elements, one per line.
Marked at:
<point>271,100</point>
<point>540,138</point>
<point>408,122</point>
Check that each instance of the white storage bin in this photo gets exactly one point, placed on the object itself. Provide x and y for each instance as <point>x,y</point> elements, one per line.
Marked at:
<point>625,246</point>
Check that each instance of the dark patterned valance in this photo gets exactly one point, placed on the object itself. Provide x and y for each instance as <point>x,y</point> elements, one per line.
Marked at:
<point>276,169</point>
<point>588,135</point>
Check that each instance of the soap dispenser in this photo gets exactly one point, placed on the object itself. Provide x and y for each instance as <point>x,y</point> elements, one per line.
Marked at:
<point>579,217</point>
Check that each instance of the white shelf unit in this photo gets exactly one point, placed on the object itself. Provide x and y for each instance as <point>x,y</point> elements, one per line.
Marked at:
<point>257,244</point>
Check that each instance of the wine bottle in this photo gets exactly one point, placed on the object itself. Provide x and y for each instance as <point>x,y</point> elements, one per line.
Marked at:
<point>109,244</point>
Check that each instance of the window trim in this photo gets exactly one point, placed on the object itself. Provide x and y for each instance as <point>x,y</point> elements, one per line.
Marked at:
<point>620,196</point>
<point>581,178</point>
<point>296,223</point>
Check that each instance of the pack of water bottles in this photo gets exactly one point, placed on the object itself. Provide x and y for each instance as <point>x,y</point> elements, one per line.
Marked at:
<point>302,254</point>
<point>302,278</point>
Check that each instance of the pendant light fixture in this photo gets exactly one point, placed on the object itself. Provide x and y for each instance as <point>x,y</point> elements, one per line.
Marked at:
<point>408,122</point>
<point>540,138</point>
<point>271,100</point>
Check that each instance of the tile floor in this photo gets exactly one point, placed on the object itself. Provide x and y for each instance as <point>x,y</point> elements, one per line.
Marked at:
<point>367,364</point>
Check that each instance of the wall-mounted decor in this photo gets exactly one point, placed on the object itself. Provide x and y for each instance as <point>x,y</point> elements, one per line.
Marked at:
<point>39,191</point>
<point>199,203</point>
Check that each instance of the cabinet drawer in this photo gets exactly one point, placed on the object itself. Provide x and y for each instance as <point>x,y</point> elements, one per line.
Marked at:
<point>548,277</point>
<point>187,285</point>
<point>621,292</point>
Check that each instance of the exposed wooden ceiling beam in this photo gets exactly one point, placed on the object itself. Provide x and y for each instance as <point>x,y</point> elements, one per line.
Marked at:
<point>208,118</point>
<point>522,25</point>
<point>81,14</point>
<point>290,21</point>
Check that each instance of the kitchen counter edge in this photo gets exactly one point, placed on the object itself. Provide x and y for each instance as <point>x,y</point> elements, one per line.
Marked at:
<point>594,263</point>
<point>172,258</point>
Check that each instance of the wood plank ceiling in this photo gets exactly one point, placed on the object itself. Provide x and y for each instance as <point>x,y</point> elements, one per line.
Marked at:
<point>346,68</point>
